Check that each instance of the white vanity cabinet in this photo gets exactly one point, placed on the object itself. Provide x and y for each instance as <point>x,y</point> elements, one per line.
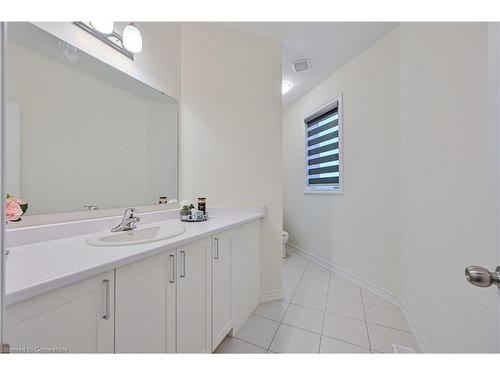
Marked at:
<point>162,302</point>
<point>245,272</point>
<point>145,305</point>
<point>78,318</point>
<point>221,287</point>
<point>184,300</point>
<point>193,302</point>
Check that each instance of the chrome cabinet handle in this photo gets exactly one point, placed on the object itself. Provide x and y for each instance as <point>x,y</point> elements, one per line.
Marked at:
<point>106,314</point>
<point>183,274</point>
<point>216,240</point>
<point>480,276</point>
<point>172,275</point>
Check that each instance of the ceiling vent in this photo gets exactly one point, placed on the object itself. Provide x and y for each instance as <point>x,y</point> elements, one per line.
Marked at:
<point>301,65</point>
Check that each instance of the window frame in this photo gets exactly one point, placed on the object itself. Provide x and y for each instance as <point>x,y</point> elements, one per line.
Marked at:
<point>333,189</point>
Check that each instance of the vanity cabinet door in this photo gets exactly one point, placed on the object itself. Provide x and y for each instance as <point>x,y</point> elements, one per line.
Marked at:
<point>145,306</point>
<point>193,304</point>
<point>78,318</point>
<point>245,271</point>
<point>221,287</point>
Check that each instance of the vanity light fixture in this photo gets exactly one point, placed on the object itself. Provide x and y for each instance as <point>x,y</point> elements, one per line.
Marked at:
<point>286,86</point>
<point>132,38</point>
<point>104,27</point>
<point>127,44</point>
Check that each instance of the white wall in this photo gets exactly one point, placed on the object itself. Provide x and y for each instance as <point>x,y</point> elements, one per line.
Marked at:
<point>421,178</point>
<point>231,128</point>
<point>449,184</point>
<point>84,141</point>
<point>231,133</point>
<point>359,230</point>
<point>158,64</point>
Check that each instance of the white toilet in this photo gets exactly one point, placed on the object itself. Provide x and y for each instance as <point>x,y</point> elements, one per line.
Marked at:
<point>284,240</point>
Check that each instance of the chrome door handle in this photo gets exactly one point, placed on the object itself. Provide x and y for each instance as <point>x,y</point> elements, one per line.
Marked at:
<point>183,274</point>
<point>480,276</point>
<point>105,316</point>
<point>216,240</point>
<point>172,275</point>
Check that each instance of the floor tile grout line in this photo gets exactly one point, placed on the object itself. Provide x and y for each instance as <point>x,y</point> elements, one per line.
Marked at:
<point>324,312</point>
<point>265,317</point>
<point>330,286</point>
<point>392,307</point>
<point>248,342</point>
<point>288,305</point>
<point>385,326</point>
<point>385,304</point>
<point>302,329</point>
<point>306,307</point>
<point>346,342</point>
<point>276,321</point>
<point>366,322</point>
<point>345,316</point>
<point>350,299</point>
<point>312,291</point>
<point>315,278</point>
<point>330,337</point>
<point>307,330</point>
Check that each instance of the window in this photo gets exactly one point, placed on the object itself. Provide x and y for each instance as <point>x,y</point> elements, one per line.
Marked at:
<point>323,130</point>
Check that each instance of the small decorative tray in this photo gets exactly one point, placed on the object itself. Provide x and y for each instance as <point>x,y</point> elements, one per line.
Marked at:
<point>190,218</point>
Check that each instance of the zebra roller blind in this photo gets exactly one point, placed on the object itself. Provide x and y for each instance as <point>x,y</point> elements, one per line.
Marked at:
<point>323,150</point>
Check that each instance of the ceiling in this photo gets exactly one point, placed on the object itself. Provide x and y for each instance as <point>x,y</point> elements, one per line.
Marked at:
<point>329,45</point>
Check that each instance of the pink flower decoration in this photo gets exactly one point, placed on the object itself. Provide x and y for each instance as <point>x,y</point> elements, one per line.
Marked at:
<point>17,200</point>
<point>13,209</point>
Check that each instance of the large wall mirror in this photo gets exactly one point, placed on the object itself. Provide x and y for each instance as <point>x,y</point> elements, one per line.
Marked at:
<point>82,133</point>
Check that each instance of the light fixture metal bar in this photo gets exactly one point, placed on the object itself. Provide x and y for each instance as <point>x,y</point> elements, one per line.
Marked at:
<point>106,38</point>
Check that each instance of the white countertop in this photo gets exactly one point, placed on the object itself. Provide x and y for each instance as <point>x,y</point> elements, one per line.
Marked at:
<point>36,268</point>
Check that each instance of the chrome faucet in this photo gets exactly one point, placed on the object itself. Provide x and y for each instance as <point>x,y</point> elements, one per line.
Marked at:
<point>129,221</point>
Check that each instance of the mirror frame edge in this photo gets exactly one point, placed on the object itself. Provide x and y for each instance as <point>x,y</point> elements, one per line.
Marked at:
<point>2,185</point>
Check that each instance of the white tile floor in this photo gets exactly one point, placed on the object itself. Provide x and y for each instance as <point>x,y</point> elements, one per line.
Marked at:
<point>321,313</point>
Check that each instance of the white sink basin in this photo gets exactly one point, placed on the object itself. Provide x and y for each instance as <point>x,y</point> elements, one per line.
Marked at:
<point>145,234</point>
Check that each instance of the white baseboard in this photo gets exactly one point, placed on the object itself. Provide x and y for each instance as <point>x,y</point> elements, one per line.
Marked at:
<point>384,293</point>
<point>419,336</point>
<point>374,288</point>
<point>271,295</point>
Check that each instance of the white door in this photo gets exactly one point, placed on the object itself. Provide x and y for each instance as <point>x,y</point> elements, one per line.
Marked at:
<point>78,318</point>
<point>145,306</point>
<point>221,287</point>
<point>485,273</point>
<point>483,304</point>
<point>193,335</point>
